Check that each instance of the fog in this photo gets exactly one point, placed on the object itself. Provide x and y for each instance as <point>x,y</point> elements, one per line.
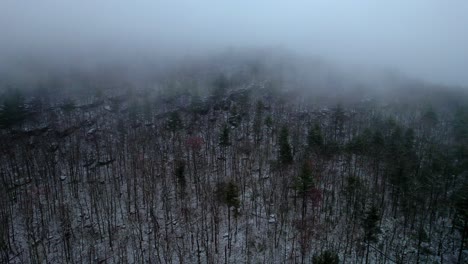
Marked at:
<point>424,39</point>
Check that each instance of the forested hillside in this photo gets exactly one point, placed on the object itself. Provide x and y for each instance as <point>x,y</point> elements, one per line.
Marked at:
<point>233,165</point>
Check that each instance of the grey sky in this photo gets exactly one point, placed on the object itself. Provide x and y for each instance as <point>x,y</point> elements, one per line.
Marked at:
<point>425,39</point>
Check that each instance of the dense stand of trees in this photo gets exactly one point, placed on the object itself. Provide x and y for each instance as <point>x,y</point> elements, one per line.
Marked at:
<point>251,175</point>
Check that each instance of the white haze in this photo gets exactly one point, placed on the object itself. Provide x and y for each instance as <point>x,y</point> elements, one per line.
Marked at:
<point>426,39</point>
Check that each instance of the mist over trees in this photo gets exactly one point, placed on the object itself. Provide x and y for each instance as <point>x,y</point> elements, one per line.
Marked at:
<point>182,131</point>
<point>241,158</point>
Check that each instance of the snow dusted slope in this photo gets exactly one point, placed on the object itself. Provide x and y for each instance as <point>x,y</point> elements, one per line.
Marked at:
<point>239,167</point>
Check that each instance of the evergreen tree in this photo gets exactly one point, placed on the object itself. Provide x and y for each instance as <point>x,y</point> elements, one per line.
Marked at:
<point>304,181</point>
<point>232,197</point>
<point>13,110</point>
<point>377,144</point>
<point>198,107</point>
<point>180,175</point>
<point>315,138</point>
<point>228,194</point>
<point>370,224</point>
<point>327,257</point>
<point>303,185</point>
<point>360,145</point>
<point>224,140</point>
<point>257,124</point>
<point>269,121</point>
<point>285,155</point>
<point>68,105</point>
<point>461,216</point>
<point>338,119</point>
<point>429,117</point>
<point>371,228</point>
<point>174,122</point>
<point>221,84</point>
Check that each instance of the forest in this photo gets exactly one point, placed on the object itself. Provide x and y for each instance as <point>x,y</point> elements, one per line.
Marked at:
<point>235,162</point>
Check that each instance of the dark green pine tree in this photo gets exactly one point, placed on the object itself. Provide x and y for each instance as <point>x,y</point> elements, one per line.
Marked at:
<point>257,124</point>
<point>68,105</point>
<point>461,216</point>
<point>180,175</point>
<point>303,184</point>
<point>327,257</point>
<point>13,110</point>
<point>304,180</point>
<point>174,123</point>
<point>224,140</point>
<point>232,197</point>
<point>269,121</point>
<point>371,228</point>
<point>221,85</point>
<point>315,139</point>
<point>285,154</point>
<point>370,224</point>
<point>429,117</point>
<point>377,144</point>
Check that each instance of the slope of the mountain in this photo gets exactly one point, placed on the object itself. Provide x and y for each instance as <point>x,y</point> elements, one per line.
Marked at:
<point>235,159</point>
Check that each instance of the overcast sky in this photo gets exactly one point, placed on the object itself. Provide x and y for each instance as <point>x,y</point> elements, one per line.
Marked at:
<point>426,39</point>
